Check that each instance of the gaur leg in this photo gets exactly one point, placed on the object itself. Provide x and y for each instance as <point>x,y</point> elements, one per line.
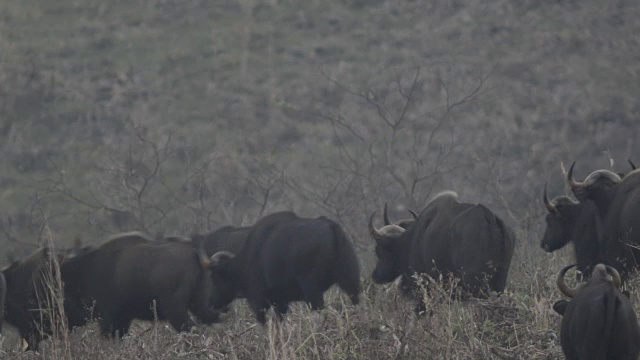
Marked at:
<point>175,310</point>
<point>121,328</point>
<point>499,280</point>
<point>206,316</point>
<point>281,308</point>
<point>355,298</point>
<point>260,308</point>
<point>311,287</point>
<point>313,296</point>
<point>32,337</point>
<point>200,306</point>
<point>105,320</point>
<point>258,301</point>
<point>203,312</point>
<point>106,326</point>
<point>351,285</point>
<point>114,325</point>
<point>75,311</point>
<point>279,302</point>
<point>180,320</point>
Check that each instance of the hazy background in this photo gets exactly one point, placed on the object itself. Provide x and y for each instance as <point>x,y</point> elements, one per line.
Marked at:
<point>179,116</point>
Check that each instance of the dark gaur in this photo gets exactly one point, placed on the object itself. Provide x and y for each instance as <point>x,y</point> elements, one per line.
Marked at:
<point>130,276</point>
<point>466,241</point>
<point>570,221</point>
<point>599,321</point>
<point>25,284</point>
<point>287,258</point>
<point>616,204</point>
<point>571,292</point>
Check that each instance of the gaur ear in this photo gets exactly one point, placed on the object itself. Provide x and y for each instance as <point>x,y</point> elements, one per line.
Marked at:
<point>560,306</point>
<point>626,293</point>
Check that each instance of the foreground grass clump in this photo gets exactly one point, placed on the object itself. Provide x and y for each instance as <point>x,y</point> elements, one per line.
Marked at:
<point>384,327</point>
<point>519,324</point>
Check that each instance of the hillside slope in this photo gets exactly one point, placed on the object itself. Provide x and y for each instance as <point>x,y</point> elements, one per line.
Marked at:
<point>229,100</point>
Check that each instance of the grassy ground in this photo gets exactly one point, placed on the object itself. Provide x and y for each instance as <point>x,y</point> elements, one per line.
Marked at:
<point>520,324</point>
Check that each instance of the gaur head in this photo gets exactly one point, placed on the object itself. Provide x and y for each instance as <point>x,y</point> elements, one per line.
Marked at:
<point>403,223</point>
<point>225,279</point>
<point>563,213</point>
<point>390,246</point>
<point>601,273</point>
<point>596,182</point>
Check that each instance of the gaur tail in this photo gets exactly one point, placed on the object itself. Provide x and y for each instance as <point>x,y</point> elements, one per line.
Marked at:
<point>347,268</point>
<point>3,294</point>
<point>599,330</point>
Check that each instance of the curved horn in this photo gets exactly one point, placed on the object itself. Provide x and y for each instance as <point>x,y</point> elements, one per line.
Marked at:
<point>221,256</point>
<point>372,229</point>
<point>385,216</point>
<point>633,166</point>
<point>562,286</point>
<point>548,204</point>
<point>615,275</point>
<point>414,214</point>
<point>572,182</point>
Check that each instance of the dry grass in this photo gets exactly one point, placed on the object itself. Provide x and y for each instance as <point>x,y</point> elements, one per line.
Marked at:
<point>520,324</point>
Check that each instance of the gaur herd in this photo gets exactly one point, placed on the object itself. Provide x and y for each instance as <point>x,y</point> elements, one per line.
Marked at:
<point>284,258</point>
